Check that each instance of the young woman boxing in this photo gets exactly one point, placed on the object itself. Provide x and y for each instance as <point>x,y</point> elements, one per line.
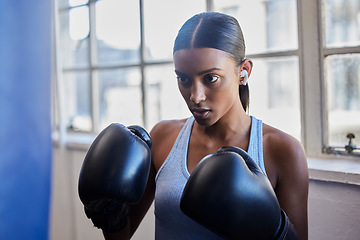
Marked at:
<point>262,176</point>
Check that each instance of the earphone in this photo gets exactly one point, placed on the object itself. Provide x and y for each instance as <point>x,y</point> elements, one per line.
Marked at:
<point>245,75</point>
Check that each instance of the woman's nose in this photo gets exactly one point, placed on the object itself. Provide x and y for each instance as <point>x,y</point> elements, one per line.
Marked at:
<point>197,93</point>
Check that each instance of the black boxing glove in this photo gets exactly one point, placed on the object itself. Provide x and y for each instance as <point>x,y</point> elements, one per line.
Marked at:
<point>229,194</point>
<point>114,174</point>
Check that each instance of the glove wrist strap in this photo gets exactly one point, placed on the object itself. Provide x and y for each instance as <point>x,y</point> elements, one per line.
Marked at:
<point>286,230</point>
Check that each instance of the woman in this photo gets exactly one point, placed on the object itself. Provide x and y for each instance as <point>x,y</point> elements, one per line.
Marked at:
<point>211,69</point>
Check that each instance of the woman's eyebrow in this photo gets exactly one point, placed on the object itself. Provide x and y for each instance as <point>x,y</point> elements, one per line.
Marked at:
<point>200,73</point>
<point>208,70</point>
<point>180,73</point>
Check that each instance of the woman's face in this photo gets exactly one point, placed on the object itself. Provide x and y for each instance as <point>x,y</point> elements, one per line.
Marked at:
<point>208,80</point>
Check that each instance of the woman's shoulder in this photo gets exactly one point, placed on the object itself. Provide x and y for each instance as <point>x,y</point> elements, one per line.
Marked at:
<point>163,136</point>
<point>166,128</point>
<point>278,141</point>
<point>283,152</point>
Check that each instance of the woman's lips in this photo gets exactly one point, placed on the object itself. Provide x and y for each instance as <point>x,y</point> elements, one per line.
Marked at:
<point>200,112</point>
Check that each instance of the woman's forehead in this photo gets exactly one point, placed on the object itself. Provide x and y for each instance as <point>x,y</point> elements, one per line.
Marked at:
<point>200,56</point>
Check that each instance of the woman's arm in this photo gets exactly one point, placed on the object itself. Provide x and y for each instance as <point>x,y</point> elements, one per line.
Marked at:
<point>137,211</point>
<point>163,136</point>
<point>290,169</point>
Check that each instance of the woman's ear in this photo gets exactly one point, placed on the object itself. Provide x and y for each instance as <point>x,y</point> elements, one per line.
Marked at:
<point>247,65</point>
<point>245,71</point>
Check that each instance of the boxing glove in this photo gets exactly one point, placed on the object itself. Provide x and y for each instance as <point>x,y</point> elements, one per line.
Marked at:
<point>114,174</point>
<point>229,194</point>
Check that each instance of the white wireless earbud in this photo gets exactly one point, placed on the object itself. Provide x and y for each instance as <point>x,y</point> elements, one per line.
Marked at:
<point>245,75</point>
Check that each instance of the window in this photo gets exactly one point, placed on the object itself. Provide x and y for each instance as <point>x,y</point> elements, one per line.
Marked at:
<point>115,61</point>
<point>341,33</point>
<point>115,64</point>
<point>271,40</point>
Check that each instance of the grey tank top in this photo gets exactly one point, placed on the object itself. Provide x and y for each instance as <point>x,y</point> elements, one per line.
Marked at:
<point>170,222</point>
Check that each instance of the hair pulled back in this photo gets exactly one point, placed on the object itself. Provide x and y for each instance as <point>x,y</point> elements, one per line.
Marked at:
<point>219,31</point>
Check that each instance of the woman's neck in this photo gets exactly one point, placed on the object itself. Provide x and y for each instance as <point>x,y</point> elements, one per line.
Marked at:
<point>231,126</point>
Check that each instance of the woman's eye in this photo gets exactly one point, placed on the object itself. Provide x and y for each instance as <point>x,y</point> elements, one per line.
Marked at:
<point>211,78</point>
<point>182,80</point>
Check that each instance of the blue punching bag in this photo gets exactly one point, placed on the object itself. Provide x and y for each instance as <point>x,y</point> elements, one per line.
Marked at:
<point>25,119</point>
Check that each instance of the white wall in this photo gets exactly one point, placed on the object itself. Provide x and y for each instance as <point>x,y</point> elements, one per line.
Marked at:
<point>334,211</point>
<point>334,208</point>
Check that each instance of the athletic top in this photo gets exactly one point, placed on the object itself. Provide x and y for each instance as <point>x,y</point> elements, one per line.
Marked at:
<point>170,222</point>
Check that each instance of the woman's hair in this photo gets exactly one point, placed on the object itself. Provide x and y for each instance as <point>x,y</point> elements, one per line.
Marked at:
<point>219,31</point>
